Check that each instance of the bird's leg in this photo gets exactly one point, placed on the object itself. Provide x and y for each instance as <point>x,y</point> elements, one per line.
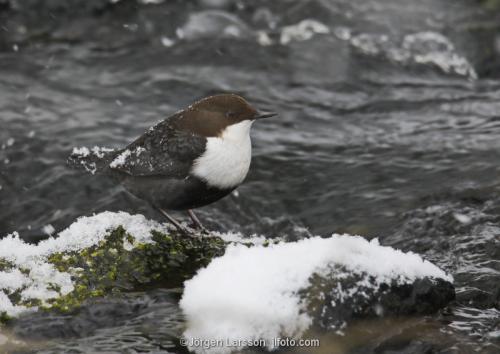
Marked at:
<point>173,221</point>
<point>196,221</point>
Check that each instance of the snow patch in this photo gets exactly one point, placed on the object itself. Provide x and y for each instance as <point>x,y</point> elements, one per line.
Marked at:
<point>100,151</point>
<point>80,155</point>
<point>237,237</point>
<point>85,152</point>
<point>121,159</point>
<point>7,307</point>
<point>82,151</point>
<point>251,294</point>
<point>48,229</point>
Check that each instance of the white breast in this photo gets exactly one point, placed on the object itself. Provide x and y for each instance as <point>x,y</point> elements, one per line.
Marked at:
<point>226,160</point>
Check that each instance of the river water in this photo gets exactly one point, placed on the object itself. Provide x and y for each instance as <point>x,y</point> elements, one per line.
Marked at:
<point>388,127</point>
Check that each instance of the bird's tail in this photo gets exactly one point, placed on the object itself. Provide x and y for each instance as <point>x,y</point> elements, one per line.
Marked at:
<point>95,160</point>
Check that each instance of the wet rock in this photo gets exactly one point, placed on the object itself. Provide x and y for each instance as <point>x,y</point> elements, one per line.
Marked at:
<point>4,5</point>
<point>57,7</point>
<point>405,347</point>
<point>336,299</point>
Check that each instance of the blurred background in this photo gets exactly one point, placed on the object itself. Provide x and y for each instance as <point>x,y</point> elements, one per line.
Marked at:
<point>389,127</point>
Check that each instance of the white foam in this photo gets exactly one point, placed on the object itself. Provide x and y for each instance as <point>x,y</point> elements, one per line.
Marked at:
<point>263,38</point>
<point>425,48</point>
<point>167,42</point>
<point>213,23</point>
<point>251,294</point>
<point>152,1</point>
<point>302,31</point>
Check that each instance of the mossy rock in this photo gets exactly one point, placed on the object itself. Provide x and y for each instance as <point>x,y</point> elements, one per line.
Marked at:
<point>118,264</point>
<point>111,268</point>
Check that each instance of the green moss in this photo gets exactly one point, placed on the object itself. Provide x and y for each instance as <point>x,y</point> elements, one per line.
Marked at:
<point>5,265</point>
<point>490,4</point>
<point>15,297</point>
<point>54,287</point>
<point>109,268</point>
<point>31,302</point>
<point>4,318</point>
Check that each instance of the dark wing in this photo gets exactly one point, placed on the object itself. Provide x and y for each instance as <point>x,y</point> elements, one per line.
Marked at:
<point>164,150</point>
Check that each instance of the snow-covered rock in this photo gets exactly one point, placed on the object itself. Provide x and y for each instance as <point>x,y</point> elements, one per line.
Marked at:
<point>262,293</point>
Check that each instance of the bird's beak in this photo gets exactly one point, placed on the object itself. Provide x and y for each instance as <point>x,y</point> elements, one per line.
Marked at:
<point>261,115</point>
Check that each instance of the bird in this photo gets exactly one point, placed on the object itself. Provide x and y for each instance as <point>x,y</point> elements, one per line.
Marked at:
<point>191,159</point>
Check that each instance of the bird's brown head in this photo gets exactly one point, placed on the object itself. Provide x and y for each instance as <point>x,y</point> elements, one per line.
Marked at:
<point>210,116</point>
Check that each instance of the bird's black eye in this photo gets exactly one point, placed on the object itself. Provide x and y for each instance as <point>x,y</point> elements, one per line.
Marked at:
<point>230,114</point>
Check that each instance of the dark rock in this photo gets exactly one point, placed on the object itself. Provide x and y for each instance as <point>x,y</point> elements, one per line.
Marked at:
<point>399,346</point>
<point>343,296</point>
<point>406,347</point>
<point>58,7</point>
<point>424,296</point>
<point>4,5</point>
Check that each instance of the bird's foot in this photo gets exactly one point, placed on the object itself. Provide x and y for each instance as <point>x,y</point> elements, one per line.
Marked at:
<point>183,230</point>
<point>197,223</point>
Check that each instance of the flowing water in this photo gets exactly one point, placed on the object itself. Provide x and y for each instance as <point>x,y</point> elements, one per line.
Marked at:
<point>389,127</point>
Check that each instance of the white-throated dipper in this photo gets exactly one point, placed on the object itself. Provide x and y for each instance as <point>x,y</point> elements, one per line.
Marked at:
<point>191,159</point>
